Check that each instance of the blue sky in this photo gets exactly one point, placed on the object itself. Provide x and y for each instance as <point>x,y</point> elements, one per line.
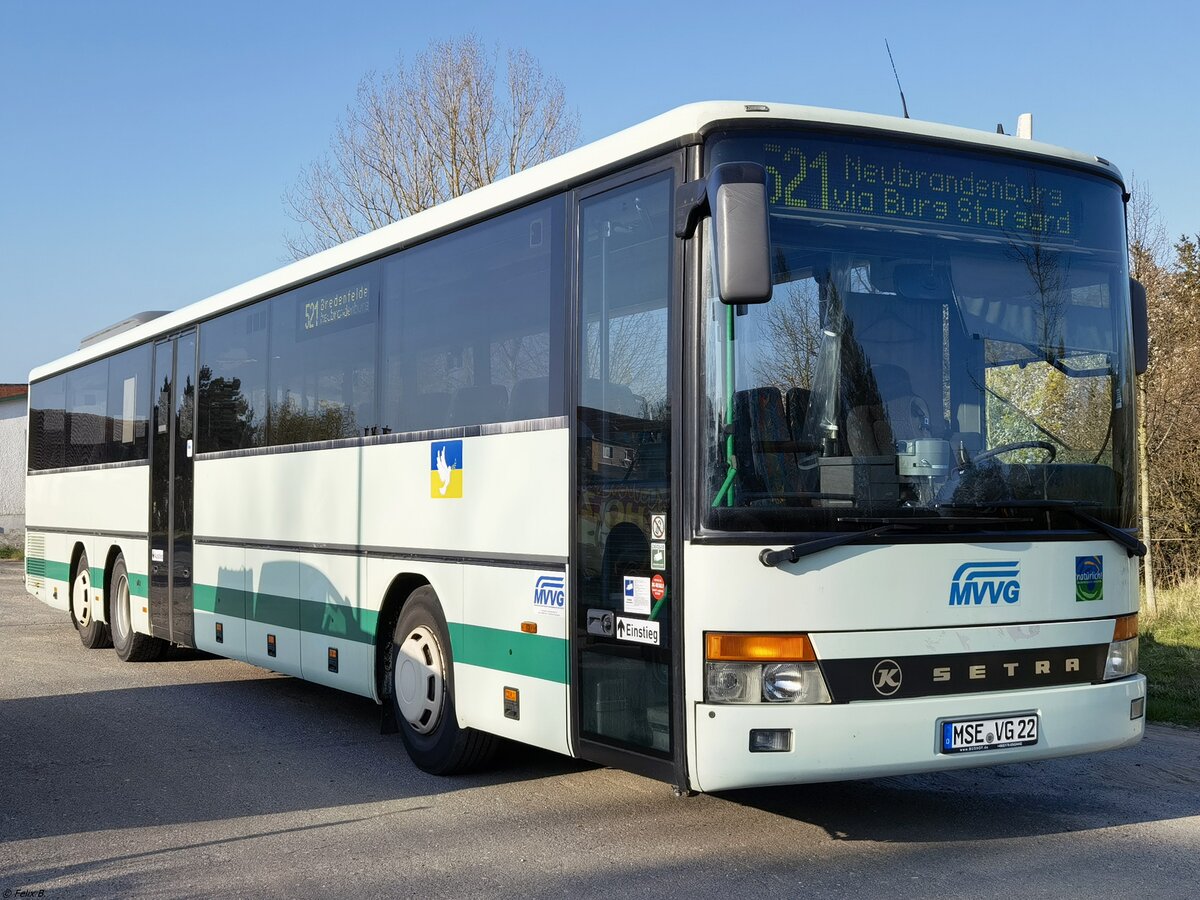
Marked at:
<point>145,146</point>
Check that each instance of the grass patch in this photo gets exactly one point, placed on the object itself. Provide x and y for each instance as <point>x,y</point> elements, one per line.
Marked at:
<point>1169,655</point>
<point>11,553</point>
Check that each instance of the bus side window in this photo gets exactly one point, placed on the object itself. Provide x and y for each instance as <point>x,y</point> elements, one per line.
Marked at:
<point>477,318</point>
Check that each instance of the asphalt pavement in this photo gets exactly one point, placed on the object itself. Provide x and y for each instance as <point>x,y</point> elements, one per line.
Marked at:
<point>199,777</point>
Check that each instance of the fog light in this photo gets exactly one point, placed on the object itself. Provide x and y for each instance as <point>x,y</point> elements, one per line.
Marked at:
<point>770,740</point>
<point>1137,708</point>
<point>729,682</point>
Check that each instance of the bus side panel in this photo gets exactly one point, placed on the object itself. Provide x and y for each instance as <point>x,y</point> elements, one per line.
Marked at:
<point>491,653</point>
<point>307,497</point>
<point>336,633</point>
<point>90,506</point>
<point>506,509</point>
<point>221,598</point>
<point>48,567</point>
<point>508,499</point>
<point>273,610</point>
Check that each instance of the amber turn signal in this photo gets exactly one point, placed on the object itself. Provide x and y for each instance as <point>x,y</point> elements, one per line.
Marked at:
<point>1126,628</point>
<point>759,647</point>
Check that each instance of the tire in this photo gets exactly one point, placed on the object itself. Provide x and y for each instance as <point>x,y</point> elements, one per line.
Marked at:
<point>93,633</point>
<point>421,691</point>
<point>130,646</point>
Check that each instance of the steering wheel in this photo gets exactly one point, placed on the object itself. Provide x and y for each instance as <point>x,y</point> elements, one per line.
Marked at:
<point>1045,446</point>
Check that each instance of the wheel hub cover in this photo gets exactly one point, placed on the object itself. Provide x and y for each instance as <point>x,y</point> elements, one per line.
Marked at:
<point>418,680</point>
<point>81,598</point>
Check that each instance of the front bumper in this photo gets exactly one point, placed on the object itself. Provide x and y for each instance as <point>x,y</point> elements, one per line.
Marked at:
<point>877,738</point>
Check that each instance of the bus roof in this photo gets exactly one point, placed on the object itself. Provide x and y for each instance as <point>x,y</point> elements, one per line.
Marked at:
<point>679,127</point>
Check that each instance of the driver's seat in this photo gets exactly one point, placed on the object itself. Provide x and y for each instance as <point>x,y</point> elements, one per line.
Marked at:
<point>892,413</point>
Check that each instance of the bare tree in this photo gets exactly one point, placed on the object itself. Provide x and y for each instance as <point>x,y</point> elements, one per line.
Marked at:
<point>1169,409</point>
<point>1147,256</point>
<point>421,134</point>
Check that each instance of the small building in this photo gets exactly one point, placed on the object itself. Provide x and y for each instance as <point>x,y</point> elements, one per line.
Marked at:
<point>13,428</point>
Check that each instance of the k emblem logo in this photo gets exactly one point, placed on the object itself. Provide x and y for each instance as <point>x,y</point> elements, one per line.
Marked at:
<point>887,677</point>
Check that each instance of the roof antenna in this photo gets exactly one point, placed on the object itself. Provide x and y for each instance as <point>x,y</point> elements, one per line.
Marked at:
<point>900,89</point>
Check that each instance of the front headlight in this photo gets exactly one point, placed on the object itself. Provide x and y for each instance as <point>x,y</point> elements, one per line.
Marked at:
<point>1123,651</point>
<point>758,668</point>
<point>733,682</point>
<point>1122,659</point>
<point>794,682</point>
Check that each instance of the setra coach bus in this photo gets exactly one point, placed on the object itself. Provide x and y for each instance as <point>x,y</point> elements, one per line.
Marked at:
<point>756,444</point>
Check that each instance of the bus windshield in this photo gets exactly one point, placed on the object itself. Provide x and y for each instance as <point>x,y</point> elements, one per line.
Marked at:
<point>948,334</point>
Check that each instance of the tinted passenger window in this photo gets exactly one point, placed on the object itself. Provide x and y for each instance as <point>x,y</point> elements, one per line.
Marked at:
<point>322,374</point>
<point>233,380</point>
<point>128,424</point>
<point>474,324</point>
<point>87,405</point>
<point>47,423</point>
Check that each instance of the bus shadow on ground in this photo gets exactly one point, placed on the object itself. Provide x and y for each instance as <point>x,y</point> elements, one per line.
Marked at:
<point>1150,782</point>
<point>174,754</point>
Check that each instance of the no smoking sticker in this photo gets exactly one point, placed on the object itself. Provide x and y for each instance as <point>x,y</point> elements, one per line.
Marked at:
<point>658,527</point>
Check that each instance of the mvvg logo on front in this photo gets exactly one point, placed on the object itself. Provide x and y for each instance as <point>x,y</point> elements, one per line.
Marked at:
<point>975,583</point>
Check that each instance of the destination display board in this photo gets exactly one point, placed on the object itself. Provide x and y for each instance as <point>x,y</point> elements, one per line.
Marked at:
<point>333,311</point>
<point>886,182</point>
<point>350,303</point>
<point>922,185</point>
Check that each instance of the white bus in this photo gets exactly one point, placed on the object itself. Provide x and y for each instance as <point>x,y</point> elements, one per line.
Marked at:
<point>756,444</point>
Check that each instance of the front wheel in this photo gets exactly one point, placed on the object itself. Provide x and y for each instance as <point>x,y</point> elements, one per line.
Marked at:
<point>130,646</point>
<point>92,632</point>
<point>422,692</point>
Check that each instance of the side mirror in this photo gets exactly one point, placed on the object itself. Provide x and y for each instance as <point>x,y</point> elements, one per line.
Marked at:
<point>735,195</point>
<point>1141,326</point>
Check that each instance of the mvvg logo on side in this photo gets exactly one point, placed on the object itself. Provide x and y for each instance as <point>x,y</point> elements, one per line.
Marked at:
<point>549,595</point>
<point>977,582</point>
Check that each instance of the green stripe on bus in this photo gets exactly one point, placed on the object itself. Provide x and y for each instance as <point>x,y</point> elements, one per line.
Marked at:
<point>535,655</point>
<point>50,570</point>
<point>47,569</point>
<point>333,619</point>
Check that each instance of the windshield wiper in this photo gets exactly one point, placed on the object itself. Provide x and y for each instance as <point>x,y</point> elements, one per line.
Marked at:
<point>772,558</point>
<point>1132,545</point>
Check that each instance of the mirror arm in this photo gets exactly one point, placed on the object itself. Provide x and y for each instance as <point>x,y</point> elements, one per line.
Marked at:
<point>691,205</point>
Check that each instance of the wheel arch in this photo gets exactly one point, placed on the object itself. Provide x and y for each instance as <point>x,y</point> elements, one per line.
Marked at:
<point>77,551</point>
<point>399,590</point>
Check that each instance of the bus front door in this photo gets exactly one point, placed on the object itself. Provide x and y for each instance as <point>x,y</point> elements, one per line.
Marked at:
<point>171,453</point>
<point>623,676</point>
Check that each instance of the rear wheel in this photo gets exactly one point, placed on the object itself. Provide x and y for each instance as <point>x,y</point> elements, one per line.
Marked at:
<point>93,633</point>
<point>422,692</point>
<point>129,644</point>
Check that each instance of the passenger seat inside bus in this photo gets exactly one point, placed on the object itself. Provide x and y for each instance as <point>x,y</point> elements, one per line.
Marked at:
<point>530,399</point>
<point>479,404</point>
<point>424,412</point>
<point>763,446</point>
